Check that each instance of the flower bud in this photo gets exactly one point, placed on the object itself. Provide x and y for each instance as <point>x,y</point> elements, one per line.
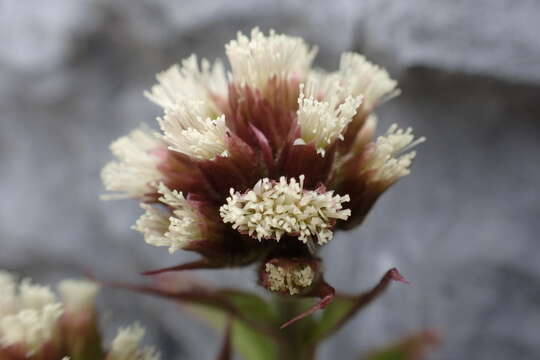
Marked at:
<point>289,276</point>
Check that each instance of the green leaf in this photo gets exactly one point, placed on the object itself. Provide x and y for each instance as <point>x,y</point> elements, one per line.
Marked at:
<point>252,307</point>
<point>251,344</point>
<point>248,342</point>
<point>254,319</point>
<point>344,307</point>
<point>332,317</point>
<point>247,338</point>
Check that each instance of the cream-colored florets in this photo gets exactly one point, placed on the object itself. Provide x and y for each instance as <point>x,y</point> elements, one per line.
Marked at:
<point>391,159</point>
<point>356,76</point>
<point>188,131</point>
<point>29,313</point>
<point>323,122</point>
<point>291,280</point>
<point>77,295</point>
<point>255,60</point>
<point>360,77</point>
<point>153,224</point>
<point>174,230</point>
<point>136,166</point>
<point>125,345</point>
<point>190,81</point>
<point>273,209</point>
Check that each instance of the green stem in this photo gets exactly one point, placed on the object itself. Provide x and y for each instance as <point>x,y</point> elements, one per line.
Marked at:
<point>292,343</point>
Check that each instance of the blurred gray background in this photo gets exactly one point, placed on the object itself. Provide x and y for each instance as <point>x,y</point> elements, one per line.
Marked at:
<point>463,227</point>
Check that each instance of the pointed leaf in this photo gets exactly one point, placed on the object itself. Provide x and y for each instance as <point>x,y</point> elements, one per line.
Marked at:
<point>344,307</point>
<point>325,293</point>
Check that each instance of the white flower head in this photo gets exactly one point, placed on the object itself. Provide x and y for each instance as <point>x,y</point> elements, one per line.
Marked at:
<point>190,81</point>
<point>323,122</point>
<point>390,158</point>
<point>126,345</point>
<point>292,280</point>
<point>174,230</point>
<point>78,295</point>
<point>257,59</point>
<point>360,77</point>
<point>29,313</point>
<point>188,131</point>
<point>273,209</point>
<point>136,166</point>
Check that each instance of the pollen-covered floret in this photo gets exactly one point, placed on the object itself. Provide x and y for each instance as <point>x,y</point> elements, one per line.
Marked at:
<point>323,122</point>
<point>173,229</point>
<point>255,60</point>
<point>390,159</point>
<point>126,345</point>
<point>290,280</point>
<point>188,131</point>
<point>136,168</point>
<point>273,209</point>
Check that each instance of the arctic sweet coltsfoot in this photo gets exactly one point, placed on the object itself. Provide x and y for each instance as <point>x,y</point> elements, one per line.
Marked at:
<point>264,162</point>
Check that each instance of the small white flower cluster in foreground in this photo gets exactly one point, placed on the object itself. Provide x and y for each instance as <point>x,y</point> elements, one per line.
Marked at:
<point>273,209</point>
<point>29,312</point>
<point>34,323</point>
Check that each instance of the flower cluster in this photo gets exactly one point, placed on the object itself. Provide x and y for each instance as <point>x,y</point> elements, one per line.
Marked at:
<point>35,323</point>
<point>263,163</point>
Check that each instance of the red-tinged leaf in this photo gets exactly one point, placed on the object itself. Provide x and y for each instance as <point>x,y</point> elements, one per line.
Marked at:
<point>248,308</point>
<point>414,347</point>
<point>344,307</point>
<point>326,294</point>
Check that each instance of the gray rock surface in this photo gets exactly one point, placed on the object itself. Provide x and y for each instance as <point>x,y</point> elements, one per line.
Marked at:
<point>463,227</point>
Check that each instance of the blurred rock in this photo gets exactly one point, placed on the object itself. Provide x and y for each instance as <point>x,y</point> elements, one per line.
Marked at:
<point>483,37</point>
<point>463,227</point>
